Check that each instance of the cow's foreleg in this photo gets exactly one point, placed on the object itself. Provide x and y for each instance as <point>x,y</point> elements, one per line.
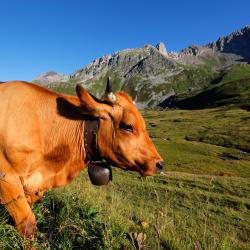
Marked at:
<point>13,197</point>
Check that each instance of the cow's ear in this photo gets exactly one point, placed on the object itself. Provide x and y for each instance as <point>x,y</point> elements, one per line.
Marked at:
<point>90,105</point>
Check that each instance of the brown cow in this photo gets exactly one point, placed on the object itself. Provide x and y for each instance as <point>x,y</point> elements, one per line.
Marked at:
<point>42,142</point>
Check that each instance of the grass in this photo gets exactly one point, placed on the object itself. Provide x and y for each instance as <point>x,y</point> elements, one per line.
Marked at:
<point>65,87</point>
<point>231,87</point>
<point>97,87</point>
<point>234,92</point>
<point>201,200</point>
<point>206,141</point>
<point>237,72</point>
<point>190,80</point>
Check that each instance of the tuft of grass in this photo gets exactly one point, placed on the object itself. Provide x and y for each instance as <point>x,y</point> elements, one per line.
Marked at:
<point>66,224</point>
<point>9,237</point>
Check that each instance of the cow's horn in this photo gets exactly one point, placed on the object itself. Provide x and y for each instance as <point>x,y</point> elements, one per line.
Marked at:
<point>109,92</point>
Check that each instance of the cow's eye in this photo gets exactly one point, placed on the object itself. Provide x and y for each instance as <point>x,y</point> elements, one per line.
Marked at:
<point>126,127</point>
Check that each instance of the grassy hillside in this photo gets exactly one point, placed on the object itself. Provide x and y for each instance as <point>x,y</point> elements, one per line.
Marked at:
<point>64,87</point>
<point>195,87</point>
<point>230,87</point>
<point>201,201</point>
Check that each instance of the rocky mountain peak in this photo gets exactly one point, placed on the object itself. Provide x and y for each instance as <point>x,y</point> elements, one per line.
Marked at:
<point>192,50</point>
<point>238,42</point>
<point>48,73</point>
<point>126,63</point>
<point>51,77</point>
<point>162,48</point>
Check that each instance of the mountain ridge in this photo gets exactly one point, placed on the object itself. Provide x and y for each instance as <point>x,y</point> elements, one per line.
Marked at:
<point>152,75</point>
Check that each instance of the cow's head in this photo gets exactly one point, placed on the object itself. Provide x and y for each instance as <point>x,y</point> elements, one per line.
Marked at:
<point>122,136</point>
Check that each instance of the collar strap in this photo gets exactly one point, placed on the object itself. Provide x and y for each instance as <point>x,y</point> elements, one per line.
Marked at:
<point>91,128</point>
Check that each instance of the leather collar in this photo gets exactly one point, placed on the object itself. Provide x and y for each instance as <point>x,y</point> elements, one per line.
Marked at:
<point>91,127</point>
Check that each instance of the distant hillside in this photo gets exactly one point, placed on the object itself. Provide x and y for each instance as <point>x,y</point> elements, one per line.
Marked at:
<point>50,77</point>
<point>233,89</point>
<point>155,77</point>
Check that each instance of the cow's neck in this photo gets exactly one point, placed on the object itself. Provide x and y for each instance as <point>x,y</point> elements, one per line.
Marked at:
<point>63,152</point>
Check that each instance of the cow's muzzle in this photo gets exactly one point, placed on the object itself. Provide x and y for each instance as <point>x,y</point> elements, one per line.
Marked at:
<point>159,166</point>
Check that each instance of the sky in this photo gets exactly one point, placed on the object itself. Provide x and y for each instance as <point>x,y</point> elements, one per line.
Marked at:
<point>64,35</point>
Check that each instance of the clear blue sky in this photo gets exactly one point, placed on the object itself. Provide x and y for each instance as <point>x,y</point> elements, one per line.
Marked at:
<point>64,35</point>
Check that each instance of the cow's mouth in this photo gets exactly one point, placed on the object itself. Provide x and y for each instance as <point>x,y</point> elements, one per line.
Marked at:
<point>149,170</point>
<point>159,166</point>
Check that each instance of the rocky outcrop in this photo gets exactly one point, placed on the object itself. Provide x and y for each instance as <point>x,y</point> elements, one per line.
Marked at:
<point>237,43</point>
<point>152,65</point>
<point>226,51</point>
<point>126,63</point>
<point>204,55</point>
<point>162,48</point>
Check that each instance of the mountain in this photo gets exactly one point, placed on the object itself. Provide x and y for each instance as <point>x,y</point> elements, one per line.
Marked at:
<point>237,43</point>
<point>50,77</point>
<point>155,77</point>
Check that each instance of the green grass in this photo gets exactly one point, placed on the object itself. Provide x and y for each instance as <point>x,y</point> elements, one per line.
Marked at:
<point>226,93</point>
<point>206,141</point>
<point>201,200</point>
<point>96,87</point>
<point>64,87</point>
<point>237,72</point>
<point>229,87</point>
<point>190,80</point>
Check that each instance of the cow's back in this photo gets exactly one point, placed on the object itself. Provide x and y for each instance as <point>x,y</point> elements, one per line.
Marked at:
<point>23,107</point>
<point>23,104</point>
<point>38,139</point>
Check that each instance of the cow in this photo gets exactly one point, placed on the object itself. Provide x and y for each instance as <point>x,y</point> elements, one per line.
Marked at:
<point>42,142</point>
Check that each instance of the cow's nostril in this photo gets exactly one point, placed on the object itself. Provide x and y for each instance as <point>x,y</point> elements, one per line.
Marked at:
<point>160,165</point>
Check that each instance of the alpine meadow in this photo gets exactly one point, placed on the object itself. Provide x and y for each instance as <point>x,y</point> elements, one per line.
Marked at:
<point>196,104</point>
